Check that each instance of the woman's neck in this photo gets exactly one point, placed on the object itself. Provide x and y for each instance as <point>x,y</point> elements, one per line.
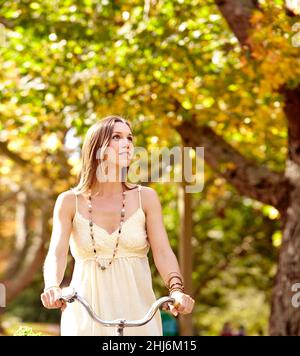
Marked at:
<point>107,189</point>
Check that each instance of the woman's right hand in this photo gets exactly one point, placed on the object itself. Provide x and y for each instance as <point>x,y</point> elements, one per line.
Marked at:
<point>51,298</point>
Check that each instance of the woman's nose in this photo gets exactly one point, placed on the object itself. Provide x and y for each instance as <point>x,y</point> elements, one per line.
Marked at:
<point>125,143</point>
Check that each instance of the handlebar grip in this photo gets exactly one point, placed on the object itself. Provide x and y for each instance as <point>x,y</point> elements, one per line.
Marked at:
<point>68,295</point>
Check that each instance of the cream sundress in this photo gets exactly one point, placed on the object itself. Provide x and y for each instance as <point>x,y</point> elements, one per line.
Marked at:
<point>123,291</point>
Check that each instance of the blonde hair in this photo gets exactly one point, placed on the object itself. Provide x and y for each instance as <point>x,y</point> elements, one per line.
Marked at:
<point>97,137</point>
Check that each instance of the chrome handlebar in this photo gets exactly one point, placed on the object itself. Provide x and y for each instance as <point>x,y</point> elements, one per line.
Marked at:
<point>69,295</point>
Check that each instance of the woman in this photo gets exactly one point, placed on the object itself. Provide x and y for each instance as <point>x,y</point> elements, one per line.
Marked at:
<point>110,226</point>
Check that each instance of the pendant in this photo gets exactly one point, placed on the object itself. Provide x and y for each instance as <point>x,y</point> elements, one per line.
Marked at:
<point>103,268</point>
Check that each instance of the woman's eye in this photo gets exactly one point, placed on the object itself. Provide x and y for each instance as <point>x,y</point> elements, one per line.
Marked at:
<point>118,136</point>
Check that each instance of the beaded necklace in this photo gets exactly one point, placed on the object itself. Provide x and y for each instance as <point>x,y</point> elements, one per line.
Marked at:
<point>91,224</point>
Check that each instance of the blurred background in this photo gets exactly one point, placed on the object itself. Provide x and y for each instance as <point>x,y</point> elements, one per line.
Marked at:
<point>224,75</point>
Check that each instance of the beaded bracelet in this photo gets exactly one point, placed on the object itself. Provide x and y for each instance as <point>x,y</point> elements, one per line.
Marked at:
<point>173,273</point>
<point>175,277</point>
<point>176,290</point>
<point>175,284</point>
<point>178,285</point>
<point>178,277</point>
<point>169,274</point>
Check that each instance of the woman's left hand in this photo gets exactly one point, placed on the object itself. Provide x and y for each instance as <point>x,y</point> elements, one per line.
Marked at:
<point>183,304</point>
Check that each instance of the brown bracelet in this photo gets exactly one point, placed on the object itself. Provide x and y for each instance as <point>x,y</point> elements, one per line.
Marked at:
<point>178,277</point>
<point>175,290</point>
<point>173,274</point>
<point>176,285</point>
<point>177,273</point>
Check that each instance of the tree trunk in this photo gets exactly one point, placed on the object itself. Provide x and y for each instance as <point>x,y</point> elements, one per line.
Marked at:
<point>185,252</point>
<point>237,14</point>
<point>280,190</point>
<point>33,259</point>
<point>21,234</point>
<point>285,318</point>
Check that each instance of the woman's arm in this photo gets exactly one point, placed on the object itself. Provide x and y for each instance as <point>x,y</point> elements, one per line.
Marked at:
<point>163,255</point>
<point>56,260</point>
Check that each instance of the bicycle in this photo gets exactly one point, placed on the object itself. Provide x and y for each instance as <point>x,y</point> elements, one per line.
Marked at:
<point>69,295</point>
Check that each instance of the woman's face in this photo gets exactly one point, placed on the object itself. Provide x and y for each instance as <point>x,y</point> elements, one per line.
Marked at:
<point>120,149</point>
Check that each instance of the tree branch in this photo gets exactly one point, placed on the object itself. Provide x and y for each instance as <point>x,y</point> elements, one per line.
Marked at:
<point>256,182</point>
<point>237,14</point>
<point>61,160</point>
<point>6,22</point>
<point>292,112</point>
<point>236,10</point>
<point>213,273</point>
<point>8,196</point>
<point>12,155</point>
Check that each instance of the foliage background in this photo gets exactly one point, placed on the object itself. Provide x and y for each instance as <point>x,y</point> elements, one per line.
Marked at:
<point>65,64</point>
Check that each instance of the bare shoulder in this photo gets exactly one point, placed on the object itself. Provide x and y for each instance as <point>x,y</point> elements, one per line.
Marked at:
<point>148,192</point>
<point>150,198</point>
<point>66,198</point>
<point>65,203</point>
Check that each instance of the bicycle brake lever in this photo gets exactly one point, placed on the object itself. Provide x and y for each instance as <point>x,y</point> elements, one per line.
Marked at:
<point>166,306</point>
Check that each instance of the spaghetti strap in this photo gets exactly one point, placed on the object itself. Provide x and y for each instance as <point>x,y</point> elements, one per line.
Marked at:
<point>139,189</point>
